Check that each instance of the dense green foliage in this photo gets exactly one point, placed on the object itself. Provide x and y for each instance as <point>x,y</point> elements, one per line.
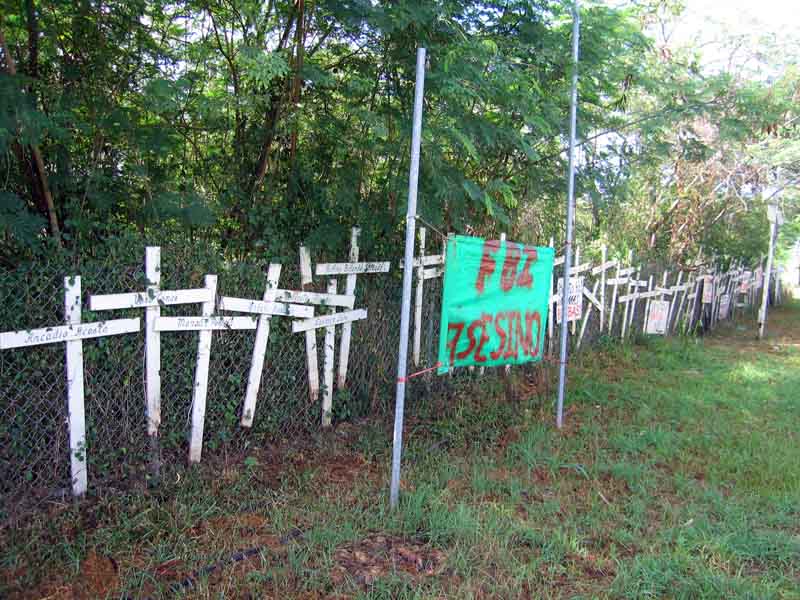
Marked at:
<point>255,125</point>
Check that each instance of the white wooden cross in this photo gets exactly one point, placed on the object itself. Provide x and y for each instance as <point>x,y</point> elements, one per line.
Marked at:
<point>676,290</point>
<point>265,309</point>
<point>206,325</point>
<point>647,304</point>
<point>328,322</point>
<point>601,269</point>
<point>352,269</point>
<point>630,300</point>
<point>72,333</point>
<point>620,279</point>
<point>588,313</point>
<point>435,268</point>
<point>331,299</point>
<point>151,300</point>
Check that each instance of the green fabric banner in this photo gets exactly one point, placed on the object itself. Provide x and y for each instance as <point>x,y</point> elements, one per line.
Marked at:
<point>495,301</point>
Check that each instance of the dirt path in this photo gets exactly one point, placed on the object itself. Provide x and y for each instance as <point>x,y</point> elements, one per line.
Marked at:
<point>782,331</point>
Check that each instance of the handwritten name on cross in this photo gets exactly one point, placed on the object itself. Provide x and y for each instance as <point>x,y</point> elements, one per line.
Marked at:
<point>352,269</point>
<point>266,308</point>
<point>72,333</point>
<point>328,322</point>
<point>151,300</point>
<point>206,325</point>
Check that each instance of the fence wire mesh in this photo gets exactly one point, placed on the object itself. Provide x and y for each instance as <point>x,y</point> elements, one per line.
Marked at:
<point>34,441</point>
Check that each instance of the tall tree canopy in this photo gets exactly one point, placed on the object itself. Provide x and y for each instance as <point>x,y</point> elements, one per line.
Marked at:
<point>254,125</point>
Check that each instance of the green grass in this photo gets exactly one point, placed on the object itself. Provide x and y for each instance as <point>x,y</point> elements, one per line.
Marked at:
<point>677,476</point>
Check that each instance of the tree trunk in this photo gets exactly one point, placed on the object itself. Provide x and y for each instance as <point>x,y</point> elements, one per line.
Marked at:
<point>38,162</point>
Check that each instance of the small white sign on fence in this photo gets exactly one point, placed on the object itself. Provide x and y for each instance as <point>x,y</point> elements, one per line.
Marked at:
<point>708,289</point>
<point>657,317</point>
<point>575,299</point>
<point>73,333</point>
<point>744,285</point>
<point>724,306</point>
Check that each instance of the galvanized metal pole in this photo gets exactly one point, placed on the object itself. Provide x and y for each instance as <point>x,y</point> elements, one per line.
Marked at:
<point>762,317</point>
<point>573,118</point>
<point>408,272</point>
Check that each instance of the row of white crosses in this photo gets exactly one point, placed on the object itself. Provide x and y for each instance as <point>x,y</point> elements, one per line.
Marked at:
<point>577,292</point>
<point>275,302</point>
<point>351,270</point>
<point>664,305</point>
<point>426,267</point>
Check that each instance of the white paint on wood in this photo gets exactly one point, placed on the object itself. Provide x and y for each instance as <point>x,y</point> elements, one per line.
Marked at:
<point>588,312</point>
<point>641,295</point>
<point>591,296</point>
<point>327,365</point>
<point>152,341</point>
<point>312,360</point>
<point>724,306</point>
<point>574,270</point>
<point>433,273</point>
<point>658,317</point>
<point>352,267</point>
<point>604,266</point>
<point>647,304</point>
<point>262,337</point>
<point>681,305</point>
<point>67,333</point>
<point>708,289</point>
<point>621,272</point>
<point>617,281</point>
<point>264,307</point>
<point>347,316</point>
<point>430,260</point>
<point>578,269</point>
<point>631,289</point>
<point>347,330</point>
<point>72,333</point>
<point>305,267</point>
<point>675,290</point>
<point>316,298</point>
<point>148,298</point>
<point>200,391</point>
<point>151,300</point>
<point>75,404</point>
<point>638,283</point>
<point>418,301</point>
<point>212,323</point>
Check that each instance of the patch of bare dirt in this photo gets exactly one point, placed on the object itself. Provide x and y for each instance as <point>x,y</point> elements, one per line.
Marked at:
<point>377,556</point>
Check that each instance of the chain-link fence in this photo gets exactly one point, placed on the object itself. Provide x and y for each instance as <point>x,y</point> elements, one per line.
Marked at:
<point>34,442</point>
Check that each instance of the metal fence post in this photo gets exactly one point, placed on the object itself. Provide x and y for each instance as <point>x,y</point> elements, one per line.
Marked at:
<point>562,374</point>
<point>408,272</point>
